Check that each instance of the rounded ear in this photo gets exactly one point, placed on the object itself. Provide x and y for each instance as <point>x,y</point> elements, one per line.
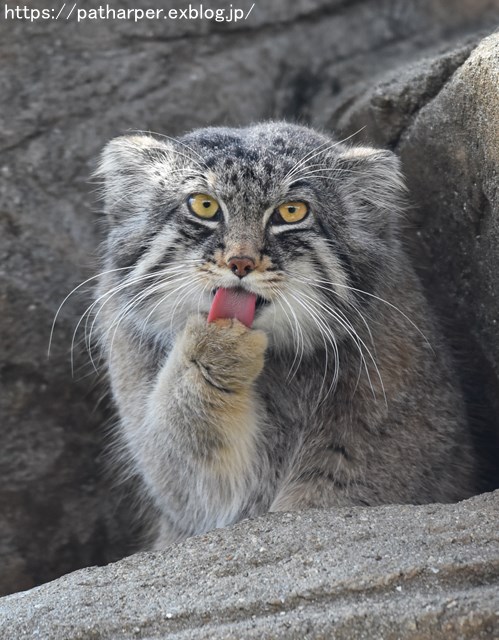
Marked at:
<point>130,168</point>
<point>371,178</point>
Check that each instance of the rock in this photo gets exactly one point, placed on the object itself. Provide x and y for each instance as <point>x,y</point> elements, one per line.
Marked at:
<point>62,97</point>
<point>414,572</point>
<point>441,116</point>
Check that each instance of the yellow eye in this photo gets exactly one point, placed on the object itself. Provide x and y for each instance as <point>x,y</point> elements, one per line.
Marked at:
<point>290,212</point>
<point>203,205</point>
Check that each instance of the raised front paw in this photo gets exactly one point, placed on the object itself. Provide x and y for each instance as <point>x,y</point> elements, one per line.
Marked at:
<point>228,354</point>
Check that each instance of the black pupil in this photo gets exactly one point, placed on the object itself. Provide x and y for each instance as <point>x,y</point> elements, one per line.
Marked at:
<point>206,204</point>
<point>291,209</point>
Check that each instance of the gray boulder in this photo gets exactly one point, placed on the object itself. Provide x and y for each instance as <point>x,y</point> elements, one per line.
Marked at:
<point>414,572</point>
<point>441,115</point>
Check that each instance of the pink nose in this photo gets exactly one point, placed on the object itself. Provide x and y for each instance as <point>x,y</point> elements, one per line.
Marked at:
<point>241,265</point>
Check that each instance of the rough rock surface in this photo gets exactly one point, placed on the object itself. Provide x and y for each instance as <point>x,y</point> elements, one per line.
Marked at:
<point>441,115</point>
<point>419,573</point>
<point>65,89</point>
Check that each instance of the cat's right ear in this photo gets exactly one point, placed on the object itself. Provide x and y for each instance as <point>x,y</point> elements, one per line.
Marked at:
<point>129,169</point>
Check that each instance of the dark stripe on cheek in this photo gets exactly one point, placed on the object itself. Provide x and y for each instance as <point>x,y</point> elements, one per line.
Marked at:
<point>296,245</point>
<point>360,274</point>
<point>169,256</point>
<point>192,230</point>
<point>128,246</point>
<point>295,242</point>
<point>271,250</point>
<point>340,254</point>
<point>130,256</point>
<point>166,260</point>
<point>321,268</point>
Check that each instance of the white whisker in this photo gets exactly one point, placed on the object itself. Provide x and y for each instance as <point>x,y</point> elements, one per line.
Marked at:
<point>82,284</point>
<point>371,295</point>
<point>201,164</point>
<point>356,339</point>
<point>318,151</point>
<point>143,295</point>
<point>297,334</point>
<point>326,333</point>
<point>86,315</point>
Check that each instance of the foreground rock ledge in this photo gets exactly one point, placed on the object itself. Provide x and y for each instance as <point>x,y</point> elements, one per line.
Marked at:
<point>388,572</point>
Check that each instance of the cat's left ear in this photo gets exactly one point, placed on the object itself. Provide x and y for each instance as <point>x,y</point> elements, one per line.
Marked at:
<point>371,180</point>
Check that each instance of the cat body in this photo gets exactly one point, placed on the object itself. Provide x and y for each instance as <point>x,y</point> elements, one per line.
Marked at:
<point>339,393</point>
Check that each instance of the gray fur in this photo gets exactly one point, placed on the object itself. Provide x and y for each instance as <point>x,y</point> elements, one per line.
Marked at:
<point>334,397</point>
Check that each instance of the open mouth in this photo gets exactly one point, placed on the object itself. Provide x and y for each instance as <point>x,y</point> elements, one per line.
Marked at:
<point>261,302</point>
<point>236,302</point>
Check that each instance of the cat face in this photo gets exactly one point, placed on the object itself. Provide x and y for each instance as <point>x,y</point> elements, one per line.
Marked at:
<point>278,210</point>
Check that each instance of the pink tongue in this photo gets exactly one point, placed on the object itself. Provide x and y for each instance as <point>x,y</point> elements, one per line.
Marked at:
<point>233,303</point>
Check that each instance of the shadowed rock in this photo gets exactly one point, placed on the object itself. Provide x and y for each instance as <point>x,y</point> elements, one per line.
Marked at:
<point>441,115</point>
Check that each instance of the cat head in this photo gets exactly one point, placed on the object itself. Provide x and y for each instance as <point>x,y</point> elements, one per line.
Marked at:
<point>280,210</point>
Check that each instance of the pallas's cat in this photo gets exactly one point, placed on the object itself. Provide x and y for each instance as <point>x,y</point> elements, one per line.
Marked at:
<point>268,343</point>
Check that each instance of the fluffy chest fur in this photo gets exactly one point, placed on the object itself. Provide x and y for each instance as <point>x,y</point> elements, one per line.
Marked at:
<point>333,395</point>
